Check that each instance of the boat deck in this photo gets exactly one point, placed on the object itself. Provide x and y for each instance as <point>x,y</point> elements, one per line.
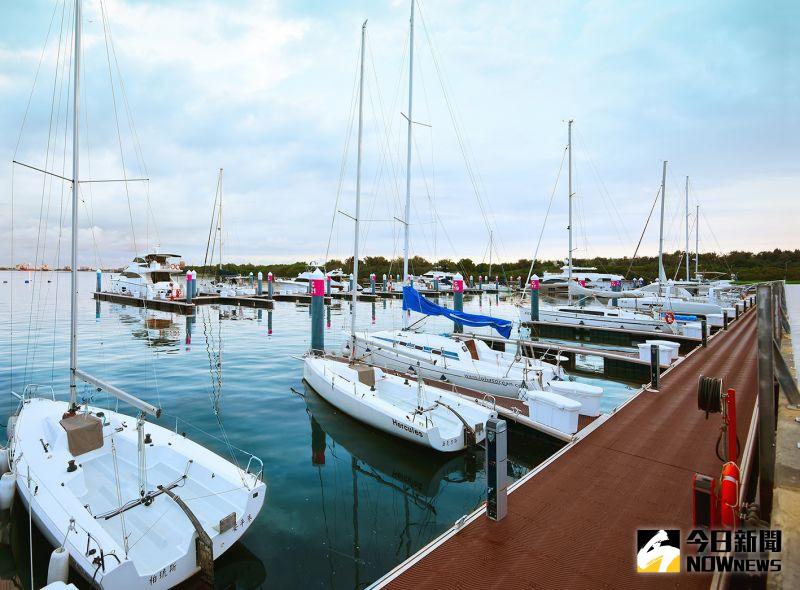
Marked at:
<point>572,523</point>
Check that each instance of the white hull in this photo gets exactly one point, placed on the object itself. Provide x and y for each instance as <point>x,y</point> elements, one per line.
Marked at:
<point>663,304</point>
<point>389,405</point>
<point>503,374</point>
<point>601,320</point>
<point>161,538</point>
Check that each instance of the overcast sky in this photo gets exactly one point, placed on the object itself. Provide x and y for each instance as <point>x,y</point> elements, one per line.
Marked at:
<point>265,89</point>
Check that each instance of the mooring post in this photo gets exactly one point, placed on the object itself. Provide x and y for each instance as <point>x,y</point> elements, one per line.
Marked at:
<point>352,283</point>
<point>194,283</point>
<point>435,283</point>
<point>704,331</point>
<point>458,299</point>
<point>616,286</point>
<point>766,400</point>
<point>497,283</point>
<point>471,281</point>
<point>535,298</point>
<point>99,288</point>
<point>260,287</point>
<point>250,276</point>
<point>655,367</point>
<point>724,319</point>
<point>480,282</point>
<point>270,286</point>
<point>737,309</point>
<point>372,283</point>
<point>383,283</point>
<point>328,316</point>
<point>317,283</point>
<point>188,290</point>
<point>496,459</point>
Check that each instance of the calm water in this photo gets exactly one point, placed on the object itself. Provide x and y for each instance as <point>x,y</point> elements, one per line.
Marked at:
<point>345,503</point>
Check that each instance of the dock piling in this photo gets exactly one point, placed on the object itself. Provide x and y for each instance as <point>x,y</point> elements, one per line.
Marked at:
<point>496,459</point>
<point>383,283</point>
<point>372,283</point>
<point>188,292</point>
<point>458,299</point>
<point>270,286</point>
<point>99,280</point>
<point>471,281</point>
<point>724,319</point>
<point>616,286</point>
<point>535,298</point>
<point>704,331</point>
<point>252,281</point>
<point>317,284</point>
<point>328,285</point>
<point>260,286</point>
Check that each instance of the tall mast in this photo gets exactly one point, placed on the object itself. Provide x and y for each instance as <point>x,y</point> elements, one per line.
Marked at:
<point>491,247</point>
<point>687,228</point>
<point>569,200</point>
<point>358,194</point>
<point>662,275</point>
<point>407,217</point>
<point>697,241</point>
<point>219,227</point>
<point>73,275</point>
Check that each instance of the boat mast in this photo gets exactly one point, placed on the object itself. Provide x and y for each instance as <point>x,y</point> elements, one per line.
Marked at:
<point>569,200</point>
<point>696,241</point>
<point>407,216</point>
<point>219,225</point>
<point>73,275</point>
<point>358,195</point>
<point>687,228</point>
<point>662,275</point>
<point>491,246</point>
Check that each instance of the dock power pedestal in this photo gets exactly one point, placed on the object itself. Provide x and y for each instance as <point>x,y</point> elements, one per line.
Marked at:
<point>496,459</point>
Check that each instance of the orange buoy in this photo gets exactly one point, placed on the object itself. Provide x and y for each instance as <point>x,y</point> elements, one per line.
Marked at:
<point>669,317</point>
<point>729,495</point>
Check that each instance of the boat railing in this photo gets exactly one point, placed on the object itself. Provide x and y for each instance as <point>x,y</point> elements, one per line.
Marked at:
<point>32,390</point>
<point>259,464</point>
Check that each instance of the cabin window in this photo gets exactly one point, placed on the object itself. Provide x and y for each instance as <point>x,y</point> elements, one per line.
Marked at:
<point>131,275</point>
<point>161,277</point>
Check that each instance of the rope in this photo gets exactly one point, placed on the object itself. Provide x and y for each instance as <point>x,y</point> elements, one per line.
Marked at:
<point>646,223</point>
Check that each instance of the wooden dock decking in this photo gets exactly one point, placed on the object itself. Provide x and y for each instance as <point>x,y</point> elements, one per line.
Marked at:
<point>572,522</point>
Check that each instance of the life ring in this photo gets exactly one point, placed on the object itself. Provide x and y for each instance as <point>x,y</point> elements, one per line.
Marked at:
<point>669,317</point>
<point>178,293</point>
<point>729,495</point>
<point>173,266</point>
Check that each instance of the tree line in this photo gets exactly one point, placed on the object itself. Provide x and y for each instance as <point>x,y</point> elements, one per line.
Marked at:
<point>745,266</point>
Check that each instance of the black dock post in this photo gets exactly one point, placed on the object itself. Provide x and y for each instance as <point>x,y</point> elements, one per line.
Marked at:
<point>496,457</point>
<point>655,367</point>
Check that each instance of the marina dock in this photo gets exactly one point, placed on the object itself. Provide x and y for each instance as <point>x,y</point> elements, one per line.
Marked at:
<point>631,469</point>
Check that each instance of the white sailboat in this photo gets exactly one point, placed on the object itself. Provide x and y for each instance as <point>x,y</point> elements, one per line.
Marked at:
<point>405,408</point>
<point>470,364</point>
<point>594,314</point>
<point>133,504</point>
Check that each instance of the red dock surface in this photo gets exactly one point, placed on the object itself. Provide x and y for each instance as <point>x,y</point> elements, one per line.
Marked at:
<point>573,524</point>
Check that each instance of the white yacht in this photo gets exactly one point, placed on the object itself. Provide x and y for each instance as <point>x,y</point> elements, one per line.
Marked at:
<point>154,276</point>
<point>586,274</point>
<point>300,284</point>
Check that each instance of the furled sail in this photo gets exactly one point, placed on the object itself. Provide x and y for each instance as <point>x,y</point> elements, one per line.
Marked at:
<point>412,300</point>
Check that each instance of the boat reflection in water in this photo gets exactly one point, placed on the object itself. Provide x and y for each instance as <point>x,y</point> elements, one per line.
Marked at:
<point>389,460</point>
<point>388,484</point>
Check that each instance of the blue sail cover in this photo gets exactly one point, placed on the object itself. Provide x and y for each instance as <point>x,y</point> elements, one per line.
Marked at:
<point>413,301</point>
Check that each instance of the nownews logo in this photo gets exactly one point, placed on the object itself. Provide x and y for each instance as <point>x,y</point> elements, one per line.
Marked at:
<point>659,551</point>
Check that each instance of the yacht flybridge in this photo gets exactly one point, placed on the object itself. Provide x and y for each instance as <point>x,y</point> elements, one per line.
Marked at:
<point>152,276</point>
<point>133,504</point>
<point>406,408</point>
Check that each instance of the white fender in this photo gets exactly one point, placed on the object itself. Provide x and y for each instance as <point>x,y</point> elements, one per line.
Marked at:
<point>7,489</point>
<point>58,569</point>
